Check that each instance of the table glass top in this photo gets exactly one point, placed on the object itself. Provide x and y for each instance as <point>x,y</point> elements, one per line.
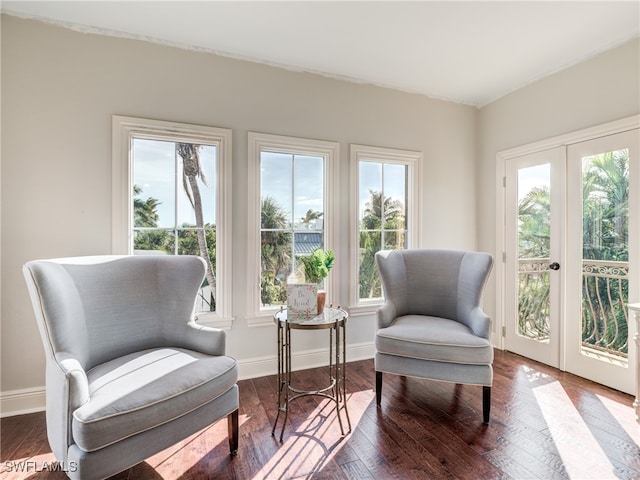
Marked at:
<point>329,316</point>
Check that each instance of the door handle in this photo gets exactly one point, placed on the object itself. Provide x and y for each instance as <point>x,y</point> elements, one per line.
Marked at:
<point>554,266</point>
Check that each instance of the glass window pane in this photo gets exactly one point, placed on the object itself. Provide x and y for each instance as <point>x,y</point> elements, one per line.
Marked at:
<point>276,181</point>
<point>370,182</point>
<point>276,257</point>
<point>534,214</point>
<point>153,241</point>
<point>370,243</point>
<point>534,220</point>
<point>308,206</point>
<point>395,192</point>
<point>394,240</point>
<point>605,250</point>
<point>196,192</point>
<point>383,200</point>
<point>154,182</point>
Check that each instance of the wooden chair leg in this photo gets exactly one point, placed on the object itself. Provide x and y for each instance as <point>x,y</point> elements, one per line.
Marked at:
<point>234,432</point>
<point>486,403</point>
<point>378,388</point>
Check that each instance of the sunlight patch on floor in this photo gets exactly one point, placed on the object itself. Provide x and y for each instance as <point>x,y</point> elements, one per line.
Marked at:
<point>625,415</point>
<point>581,454</point>
<point>199,445</point>
<point>315,442</point>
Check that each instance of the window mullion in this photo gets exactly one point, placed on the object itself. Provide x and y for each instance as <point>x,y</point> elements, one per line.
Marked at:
<point>292,218</point>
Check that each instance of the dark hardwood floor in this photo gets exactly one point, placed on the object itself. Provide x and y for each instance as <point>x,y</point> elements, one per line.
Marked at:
<point>545,424</point>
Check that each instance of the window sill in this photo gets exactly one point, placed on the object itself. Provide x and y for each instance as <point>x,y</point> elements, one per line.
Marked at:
<point>214,320</point>
<point>364,310</point>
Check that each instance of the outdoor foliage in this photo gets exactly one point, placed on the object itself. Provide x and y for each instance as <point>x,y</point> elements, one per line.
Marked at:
<point>276,254</point>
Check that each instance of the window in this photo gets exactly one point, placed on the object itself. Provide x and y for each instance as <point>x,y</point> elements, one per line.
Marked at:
<point>290,211</point>
<point>386,197</point>
<point>169,199</point>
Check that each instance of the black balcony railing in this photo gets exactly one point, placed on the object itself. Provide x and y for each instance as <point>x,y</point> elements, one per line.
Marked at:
<point>605,287</point>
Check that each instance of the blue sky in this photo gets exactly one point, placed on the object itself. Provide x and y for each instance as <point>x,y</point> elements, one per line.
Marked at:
<point>154,171</point>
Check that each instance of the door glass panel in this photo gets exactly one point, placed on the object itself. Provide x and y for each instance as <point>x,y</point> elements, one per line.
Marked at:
<point>605,255</point>
<point>534,218</point>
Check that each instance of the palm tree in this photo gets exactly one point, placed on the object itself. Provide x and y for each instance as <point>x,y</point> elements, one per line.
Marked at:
<point>534,212</point>
<point>191,172</point>
<point>383,216</point>
<point>606,206</point>
<point>145,212</point>
<point>380,208</point>
<point>310,216</point>
<point>275,250</point>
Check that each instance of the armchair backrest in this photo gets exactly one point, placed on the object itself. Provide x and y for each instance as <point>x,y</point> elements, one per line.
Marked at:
<point>438,283</point>
<point>102,307</point>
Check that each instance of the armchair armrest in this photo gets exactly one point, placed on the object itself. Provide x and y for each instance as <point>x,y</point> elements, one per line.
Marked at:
<point>205,339</point>
<point>480,323</point>
<point>385,314</point>
<point>67,389</point>
<point>76,378</point>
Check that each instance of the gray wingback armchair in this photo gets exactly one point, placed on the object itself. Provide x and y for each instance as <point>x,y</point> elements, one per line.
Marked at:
<point>432,324</point>
<point>128,371</point>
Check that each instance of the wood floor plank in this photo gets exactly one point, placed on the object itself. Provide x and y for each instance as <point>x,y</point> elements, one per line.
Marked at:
<point>545,424</point>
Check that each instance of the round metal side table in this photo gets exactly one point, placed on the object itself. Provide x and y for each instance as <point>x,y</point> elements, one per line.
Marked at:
<point>334,319</point>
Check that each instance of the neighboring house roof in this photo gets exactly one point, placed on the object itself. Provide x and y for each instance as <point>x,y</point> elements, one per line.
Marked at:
<point>306,242</point>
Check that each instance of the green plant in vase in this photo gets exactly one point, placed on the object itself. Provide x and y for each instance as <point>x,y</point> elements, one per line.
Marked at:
<point>316,269</point>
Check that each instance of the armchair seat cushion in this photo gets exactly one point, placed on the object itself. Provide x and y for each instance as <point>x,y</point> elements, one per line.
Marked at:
<point>142,390</point>
<point>433,338</point>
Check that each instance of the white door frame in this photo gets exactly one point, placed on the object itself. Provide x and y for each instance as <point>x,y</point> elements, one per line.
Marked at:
<point>502,157</point>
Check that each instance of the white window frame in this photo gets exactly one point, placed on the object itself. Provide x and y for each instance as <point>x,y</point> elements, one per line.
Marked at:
<point>259,142</point>
<point>124,129</point>
<point>413,161</point>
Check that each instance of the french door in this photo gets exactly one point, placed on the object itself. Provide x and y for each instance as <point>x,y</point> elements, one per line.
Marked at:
<point>534,252</point>
<point>572,253</point>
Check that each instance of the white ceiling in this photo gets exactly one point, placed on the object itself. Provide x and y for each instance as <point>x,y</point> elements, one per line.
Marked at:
<point>466,52</point>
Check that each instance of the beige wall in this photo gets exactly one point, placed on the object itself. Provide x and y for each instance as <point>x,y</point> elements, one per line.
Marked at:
<point>599,90</point>
<point>59,91</point>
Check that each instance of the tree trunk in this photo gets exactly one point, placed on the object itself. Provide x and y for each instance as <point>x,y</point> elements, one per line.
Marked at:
<point>202,239</point>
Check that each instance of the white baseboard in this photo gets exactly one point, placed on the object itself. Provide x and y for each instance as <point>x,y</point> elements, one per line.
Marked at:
<point>18,402</point>
<point>30,400</point>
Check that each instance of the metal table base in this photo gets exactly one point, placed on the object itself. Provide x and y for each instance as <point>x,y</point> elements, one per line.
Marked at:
<point>334,319</point>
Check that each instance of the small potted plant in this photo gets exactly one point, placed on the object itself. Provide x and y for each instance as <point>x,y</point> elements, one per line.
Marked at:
<point>316,268</point>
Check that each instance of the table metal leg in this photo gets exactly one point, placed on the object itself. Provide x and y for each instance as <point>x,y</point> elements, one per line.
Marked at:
<point>343,382</point>
<point>336,378</point>
<point>335,391</point>
<point>287,374</point>
<point>280,377</point>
